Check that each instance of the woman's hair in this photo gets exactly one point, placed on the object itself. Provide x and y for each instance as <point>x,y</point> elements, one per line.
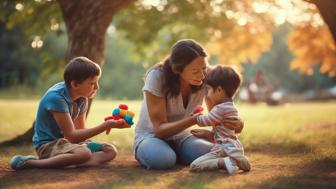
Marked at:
<point>183,53</point>
<point>80,69</point>
<point>226,77</point>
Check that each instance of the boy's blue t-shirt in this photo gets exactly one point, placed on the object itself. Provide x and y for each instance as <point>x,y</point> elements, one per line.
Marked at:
<point>56,99</point>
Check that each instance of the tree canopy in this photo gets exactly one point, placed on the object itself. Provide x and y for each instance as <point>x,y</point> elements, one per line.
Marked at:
<point>234,31</point>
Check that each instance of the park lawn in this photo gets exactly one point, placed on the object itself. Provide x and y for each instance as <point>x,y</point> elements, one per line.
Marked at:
<point>289,146</point>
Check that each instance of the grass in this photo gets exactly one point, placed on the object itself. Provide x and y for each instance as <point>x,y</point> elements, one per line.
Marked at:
<point>290,146</point>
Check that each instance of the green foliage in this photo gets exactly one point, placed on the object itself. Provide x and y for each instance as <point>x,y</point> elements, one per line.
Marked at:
<point>122,75</point>
<point>157,28</point>
<point>137,44</point>
<point>19,64</point>
<point>31,71</point>
<point>23,65</point>
<point>36,17</point>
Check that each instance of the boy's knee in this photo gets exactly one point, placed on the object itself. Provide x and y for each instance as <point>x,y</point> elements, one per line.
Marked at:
<point>110,150</point>
<point>83,154</point>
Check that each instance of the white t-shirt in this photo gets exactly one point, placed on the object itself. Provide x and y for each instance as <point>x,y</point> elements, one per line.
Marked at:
<point>175,109</point>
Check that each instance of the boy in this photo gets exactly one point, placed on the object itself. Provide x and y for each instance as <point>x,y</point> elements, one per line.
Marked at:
<point>222,83</point>
<point>60,134</point>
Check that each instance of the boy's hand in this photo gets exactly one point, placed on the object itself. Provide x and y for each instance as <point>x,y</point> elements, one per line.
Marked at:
<point>119,124</point>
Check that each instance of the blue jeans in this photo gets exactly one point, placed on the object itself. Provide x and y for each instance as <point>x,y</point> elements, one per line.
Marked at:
<point>154,153</point>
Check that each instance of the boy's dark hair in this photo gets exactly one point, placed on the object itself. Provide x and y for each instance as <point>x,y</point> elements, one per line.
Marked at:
<point>226,77</point>
<point>80,69</point>
<point>182,53</point>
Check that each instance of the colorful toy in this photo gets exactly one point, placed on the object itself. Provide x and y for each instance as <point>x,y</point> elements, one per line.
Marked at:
<point>121,113</point>
<point>198,109</point>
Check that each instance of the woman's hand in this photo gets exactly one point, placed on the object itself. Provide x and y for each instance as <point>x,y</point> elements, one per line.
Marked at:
<point>157,111</point>
<point>197,111</point>
<point>117,124</point>
<point>202,133</point>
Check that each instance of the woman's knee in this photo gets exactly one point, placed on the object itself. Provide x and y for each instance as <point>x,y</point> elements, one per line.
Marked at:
<point>155,154</point>
<point>192,148</point>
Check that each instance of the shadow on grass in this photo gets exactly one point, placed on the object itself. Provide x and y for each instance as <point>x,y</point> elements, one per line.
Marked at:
<point>140,177</point>
<point>319,174</point>
<point>23,149</point>
<point>198,180</point>
<point>280,147</point>
<point>179,177</point>
<point>123,173</point>
<point>127,175</point>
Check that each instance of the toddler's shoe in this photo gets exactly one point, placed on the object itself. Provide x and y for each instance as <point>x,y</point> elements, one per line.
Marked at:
<point>209,166</point>
<point>244,164</point>
<point>230,165</point>
<point>17,162</point>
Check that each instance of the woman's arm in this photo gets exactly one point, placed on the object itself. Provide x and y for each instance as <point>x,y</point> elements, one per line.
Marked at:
<point>75,135</point>
<point>158,115</point>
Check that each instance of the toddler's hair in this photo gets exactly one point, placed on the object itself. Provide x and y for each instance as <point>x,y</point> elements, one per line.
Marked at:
<point>226,77</point>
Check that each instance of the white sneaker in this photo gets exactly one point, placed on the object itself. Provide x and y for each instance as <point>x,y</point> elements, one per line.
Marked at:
<point>209,166</point>
<point>230,165</point>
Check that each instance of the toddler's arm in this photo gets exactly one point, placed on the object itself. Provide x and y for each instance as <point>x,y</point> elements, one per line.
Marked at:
<point>211,119</point>
<point>220,115</point>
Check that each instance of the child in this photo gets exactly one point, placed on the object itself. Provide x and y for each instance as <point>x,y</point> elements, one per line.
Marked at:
<point>60,134</point>
<point>222,83</point>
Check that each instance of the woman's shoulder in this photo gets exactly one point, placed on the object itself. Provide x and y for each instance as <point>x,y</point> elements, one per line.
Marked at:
<point>154,71</point>
<point>153,81</point>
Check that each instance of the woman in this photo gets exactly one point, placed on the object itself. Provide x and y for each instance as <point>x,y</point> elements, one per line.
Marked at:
<point>172,90</point>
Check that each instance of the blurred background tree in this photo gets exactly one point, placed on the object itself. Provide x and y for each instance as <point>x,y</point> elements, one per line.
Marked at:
<point>140,34</point>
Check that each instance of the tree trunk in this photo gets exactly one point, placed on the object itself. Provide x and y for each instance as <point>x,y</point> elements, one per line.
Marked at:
<point>86,23</point>
<point>327,10</point>
<point>20,139</point>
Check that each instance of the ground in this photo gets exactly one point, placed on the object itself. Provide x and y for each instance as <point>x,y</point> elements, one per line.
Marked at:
<point>291,146</point>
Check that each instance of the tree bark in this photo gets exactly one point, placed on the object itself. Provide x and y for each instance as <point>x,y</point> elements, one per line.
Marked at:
<point>86,23</point>
<point>327,10</point>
